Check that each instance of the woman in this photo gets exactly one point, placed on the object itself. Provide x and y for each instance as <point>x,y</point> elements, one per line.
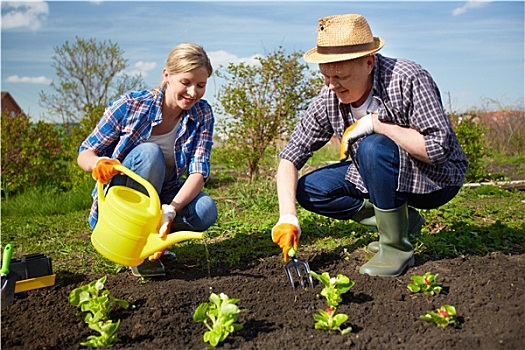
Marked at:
<point>160,134</point>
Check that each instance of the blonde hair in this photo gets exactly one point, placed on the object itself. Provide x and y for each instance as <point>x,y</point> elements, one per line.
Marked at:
<point>186,57</point>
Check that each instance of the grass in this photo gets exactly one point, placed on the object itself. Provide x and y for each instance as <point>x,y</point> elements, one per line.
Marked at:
<point>478,221</point>
<point>47,200</point>
<point>514,164</point>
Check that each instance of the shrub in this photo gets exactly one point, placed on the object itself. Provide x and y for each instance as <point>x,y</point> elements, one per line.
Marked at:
<point>32,154</point>
<point>505,131</point>
<point>470,136</point>
<point>261,103</point>
<point>77,133</point>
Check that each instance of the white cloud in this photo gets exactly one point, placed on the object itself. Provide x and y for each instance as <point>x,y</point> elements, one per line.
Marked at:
<point>145,66</point>
<point>30,14</point>
<point>142,68</point>
<point>41,80</point>
<point>469,5</point>
<point>223,58</point>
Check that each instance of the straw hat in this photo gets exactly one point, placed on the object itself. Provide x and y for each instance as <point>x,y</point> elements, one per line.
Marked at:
<point>341,38</point>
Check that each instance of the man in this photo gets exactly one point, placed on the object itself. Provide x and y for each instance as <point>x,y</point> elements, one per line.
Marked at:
<point>403,151</point>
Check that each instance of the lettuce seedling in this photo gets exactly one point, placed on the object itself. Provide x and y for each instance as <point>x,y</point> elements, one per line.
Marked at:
<point>328,320</point>
<point>426,284</point>
<point>334,287</point>
<point>442,317</point>
<point>98,305</point>
<point>222,312</point>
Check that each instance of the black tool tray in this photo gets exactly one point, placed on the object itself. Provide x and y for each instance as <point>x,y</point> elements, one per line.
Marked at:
<point>32,271</point>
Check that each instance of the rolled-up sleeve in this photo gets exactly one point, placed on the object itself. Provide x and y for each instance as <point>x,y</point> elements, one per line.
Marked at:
<point>311,133</point>
<point>200,159</point>
<point>430,119</point>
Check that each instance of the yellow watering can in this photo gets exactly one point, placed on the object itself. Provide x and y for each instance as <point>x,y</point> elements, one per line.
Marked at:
<point>128,223</point>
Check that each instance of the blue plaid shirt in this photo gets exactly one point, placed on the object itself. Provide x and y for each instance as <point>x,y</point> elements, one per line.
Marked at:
<point>410,98</point>
<point>128,122</point>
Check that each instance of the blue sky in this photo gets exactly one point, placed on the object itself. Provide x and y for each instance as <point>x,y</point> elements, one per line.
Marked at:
<point>474,50</point>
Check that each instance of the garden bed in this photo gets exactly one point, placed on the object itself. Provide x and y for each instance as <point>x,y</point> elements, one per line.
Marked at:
<point>488,293</point>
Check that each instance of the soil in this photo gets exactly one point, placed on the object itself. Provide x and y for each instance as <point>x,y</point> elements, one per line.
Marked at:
<point>487,291</point>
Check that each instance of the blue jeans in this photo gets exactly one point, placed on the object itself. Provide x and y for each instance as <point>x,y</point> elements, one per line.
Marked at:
<point>147,161</point>
<point>326,192</point>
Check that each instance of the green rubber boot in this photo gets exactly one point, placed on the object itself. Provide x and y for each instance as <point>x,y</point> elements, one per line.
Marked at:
<point>365,215</point>
<point>395,251</point>
<point>415,223</point>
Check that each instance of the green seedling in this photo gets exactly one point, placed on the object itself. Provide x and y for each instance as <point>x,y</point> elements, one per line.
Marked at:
<point>426,284</point>
<point>107,337</point>
<point>442,317</point>
<point>98,306</point>
<point>222,312</point>
<point>328,320</point>
<point>334,287</point>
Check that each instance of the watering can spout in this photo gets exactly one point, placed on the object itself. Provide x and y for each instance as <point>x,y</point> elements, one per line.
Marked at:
<point>156,243</point>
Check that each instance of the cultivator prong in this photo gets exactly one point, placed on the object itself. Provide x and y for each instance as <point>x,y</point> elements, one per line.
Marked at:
<point>301,270</point>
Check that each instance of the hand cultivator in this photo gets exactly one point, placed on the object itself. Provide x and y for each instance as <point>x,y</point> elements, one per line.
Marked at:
<point>298,269</point>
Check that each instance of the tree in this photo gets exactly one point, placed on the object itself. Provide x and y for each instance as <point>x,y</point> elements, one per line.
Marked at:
<point>89,74</point>
<point>261,104</point>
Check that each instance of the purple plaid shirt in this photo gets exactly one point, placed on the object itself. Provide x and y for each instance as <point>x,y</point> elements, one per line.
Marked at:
<point>409,98</point>
<point>128,121</point>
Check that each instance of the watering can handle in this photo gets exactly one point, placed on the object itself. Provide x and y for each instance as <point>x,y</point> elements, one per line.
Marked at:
<point>154,205</point>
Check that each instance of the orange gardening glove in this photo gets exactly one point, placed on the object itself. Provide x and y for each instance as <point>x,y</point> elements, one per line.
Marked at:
<point>286,234</point>
<point>168,214</point>
<point>104,171</point>
<point>360,128</point>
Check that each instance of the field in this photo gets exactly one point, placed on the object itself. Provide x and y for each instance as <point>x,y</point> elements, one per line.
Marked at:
<point>475,244</point>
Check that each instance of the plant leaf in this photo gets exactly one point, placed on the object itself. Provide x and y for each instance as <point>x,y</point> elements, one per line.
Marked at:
<point>200,313</point>
<point>340,319</point>
<point>346,330</point>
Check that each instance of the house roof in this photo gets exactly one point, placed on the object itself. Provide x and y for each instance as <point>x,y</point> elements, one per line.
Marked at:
<point>9,104</point>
